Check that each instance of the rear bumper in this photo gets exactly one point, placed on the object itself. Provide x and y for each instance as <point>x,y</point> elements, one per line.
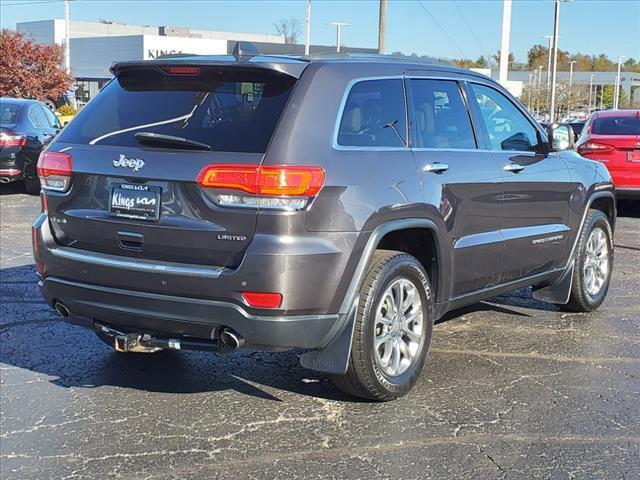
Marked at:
<point>166,315</point>
<point>164,298</point>
<point>628,193</point>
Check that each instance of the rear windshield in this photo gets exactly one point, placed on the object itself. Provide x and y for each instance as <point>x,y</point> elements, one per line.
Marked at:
<point>229,110</point>
<point>9,114</point>
<point>616,125</point>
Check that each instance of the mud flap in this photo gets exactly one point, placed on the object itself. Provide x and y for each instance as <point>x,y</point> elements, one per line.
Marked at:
<point>559,291</point>
<point>333,357</point>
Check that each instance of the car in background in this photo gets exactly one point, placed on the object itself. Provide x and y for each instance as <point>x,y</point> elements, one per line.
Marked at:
<point>613,138</point>
<point>26,127</point>
<point>577,127</point>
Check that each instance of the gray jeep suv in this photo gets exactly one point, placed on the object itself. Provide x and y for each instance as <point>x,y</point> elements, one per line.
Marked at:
<point>338,206</point>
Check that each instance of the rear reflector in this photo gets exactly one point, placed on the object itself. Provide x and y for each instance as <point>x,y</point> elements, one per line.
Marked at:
<point>55,170</point>
<point>182,70</point>
<point>262,300</point>
<point>267,180</point>
<point>10,139</point>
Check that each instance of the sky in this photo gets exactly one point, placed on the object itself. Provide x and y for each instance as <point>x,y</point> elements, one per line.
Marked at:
<point>443,28</point>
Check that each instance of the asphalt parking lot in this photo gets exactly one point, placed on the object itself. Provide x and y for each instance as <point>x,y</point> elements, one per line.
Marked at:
<point>513,388</point>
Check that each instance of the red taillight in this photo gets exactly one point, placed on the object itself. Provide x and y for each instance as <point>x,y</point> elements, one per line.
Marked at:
<point>262,300</point>
<point>594,147</point>
<point>55,170</point>
<point>10,139</point>
<point>182,70</point>
<point>267,180</point>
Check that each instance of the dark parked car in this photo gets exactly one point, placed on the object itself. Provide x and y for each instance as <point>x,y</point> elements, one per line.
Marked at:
<point>338,206</point>
<point>577,127</point>
<point>613,138</point>
<point>26,127</point>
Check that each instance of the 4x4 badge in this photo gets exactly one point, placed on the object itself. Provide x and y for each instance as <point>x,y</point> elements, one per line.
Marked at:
<point>133,163</point>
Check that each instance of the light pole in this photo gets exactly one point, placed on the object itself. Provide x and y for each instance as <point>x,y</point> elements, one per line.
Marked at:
<point>538,90</point>
<point>556,27</point>
<point>590,92</point>
<point>504,46</point>
<point>339,26</point>
<point>548,62</point>
<point>382,26</point>
<point>616,91</point>
<point>571,72</point>
<point>529,92</point>
<point>67,56</point>
<point>307,43</point>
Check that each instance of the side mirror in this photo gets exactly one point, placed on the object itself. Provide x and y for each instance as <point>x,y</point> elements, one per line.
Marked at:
<point>560,137</point>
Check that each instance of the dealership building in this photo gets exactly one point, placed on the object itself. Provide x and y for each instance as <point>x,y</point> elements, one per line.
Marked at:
<point>94,46</point>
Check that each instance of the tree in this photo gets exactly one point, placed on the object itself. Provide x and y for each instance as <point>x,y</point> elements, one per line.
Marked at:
<point>30,70</point>
<point>607,97</point>
<point>290,29</point>
<point>537,57</point>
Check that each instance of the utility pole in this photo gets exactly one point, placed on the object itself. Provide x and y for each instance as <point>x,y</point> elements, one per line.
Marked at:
<point>529,93</point>
<point>339,26</point>
<point>382,26</point>
<point>307,43</point>
<point>616,90</point>
<point>67,56</point>
<point>504,46</point>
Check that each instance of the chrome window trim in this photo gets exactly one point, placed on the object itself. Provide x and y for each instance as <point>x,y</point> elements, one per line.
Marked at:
<point>426,76</point>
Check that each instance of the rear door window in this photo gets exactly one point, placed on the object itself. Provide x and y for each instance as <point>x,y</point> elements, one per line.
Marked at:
<point>628,125</point>
<point>37,117</point>
<point>506,125</point>
<point>229,110</point>
<point>441,118</point>
<point>374,115</point>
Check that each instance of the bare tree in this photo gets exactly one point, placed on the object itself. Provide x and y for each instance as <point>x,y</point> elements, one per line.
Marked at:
<point>290,29</point>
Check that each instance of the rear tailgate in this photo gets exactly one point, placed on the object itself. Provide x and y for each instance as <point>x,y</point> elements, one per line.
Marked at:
<point>143,201</point>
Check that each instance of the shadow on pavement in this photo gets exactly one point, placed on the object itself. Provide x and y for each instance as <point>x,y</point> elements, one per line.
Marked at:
<point>13,188</point>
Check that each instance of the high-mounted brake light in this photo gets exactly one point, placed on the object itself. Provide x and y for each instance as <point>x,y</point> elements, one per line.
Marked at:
<point>262,300</point>
<point>283,187</point>
<point>182,70</point>
<point>55,170</point>
<point>10,139</point>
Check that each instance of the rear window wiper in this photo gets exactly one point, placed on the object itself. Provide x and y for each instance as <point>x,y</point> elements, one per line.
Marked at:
<point>149,138</point>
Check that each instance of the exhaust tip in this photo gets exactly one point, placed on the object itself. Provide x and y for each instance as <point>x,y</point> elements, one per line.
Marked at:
<point>61,309</point>
<point>231,339</point>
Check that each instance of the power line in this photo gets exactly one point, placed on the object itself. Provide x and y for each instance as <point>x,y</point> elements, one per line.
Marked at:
<point>454,44</point>
<point>30,2</point>
<point>464,18</point>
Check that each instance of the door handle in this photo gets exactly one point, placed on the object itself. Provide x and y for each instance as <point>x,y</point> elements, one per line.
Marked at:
<point>435,167</point>
<point>513,167</point>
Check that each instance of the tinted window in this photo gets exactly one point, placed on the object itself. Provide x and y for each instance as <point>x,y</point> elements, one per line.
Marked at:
<point>52,121</point>
<point>506,125</point>
<point>8,114</point>
<point>37,117</point>
<point>441,116</point>
<point>616,125</point>
<point>374,115</point>
<point>229,110</point>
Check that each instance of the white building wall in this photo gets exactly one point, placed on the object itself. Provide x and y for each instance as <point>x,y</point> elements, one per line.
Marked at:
<point>92,57</point>
<point>156,45</point>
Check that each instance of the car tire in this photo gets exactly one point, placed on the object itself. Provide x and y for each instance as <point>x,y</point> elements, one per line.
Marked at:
<point>593,264</point>
<point>368,375</point>
<point>32,185</point>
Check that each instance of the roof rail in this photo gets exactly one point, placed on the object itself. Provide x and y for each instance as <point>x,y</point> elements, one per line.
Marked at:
<point>372,57</point>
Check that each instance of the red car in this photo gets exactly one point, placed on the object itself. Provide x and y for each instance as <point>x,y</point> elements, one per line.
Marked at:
<point>613,138</point>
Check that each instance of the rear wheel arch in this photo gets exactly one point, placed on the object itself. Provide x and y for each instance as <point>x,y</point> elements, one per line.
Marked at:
<point>606,204</point>
<point>392,235</point>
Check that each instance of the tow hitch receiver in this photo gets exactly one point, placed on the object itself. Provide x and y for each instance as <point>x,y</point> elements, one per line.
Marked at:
<point>145,343</point>
<point>133,342</point>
